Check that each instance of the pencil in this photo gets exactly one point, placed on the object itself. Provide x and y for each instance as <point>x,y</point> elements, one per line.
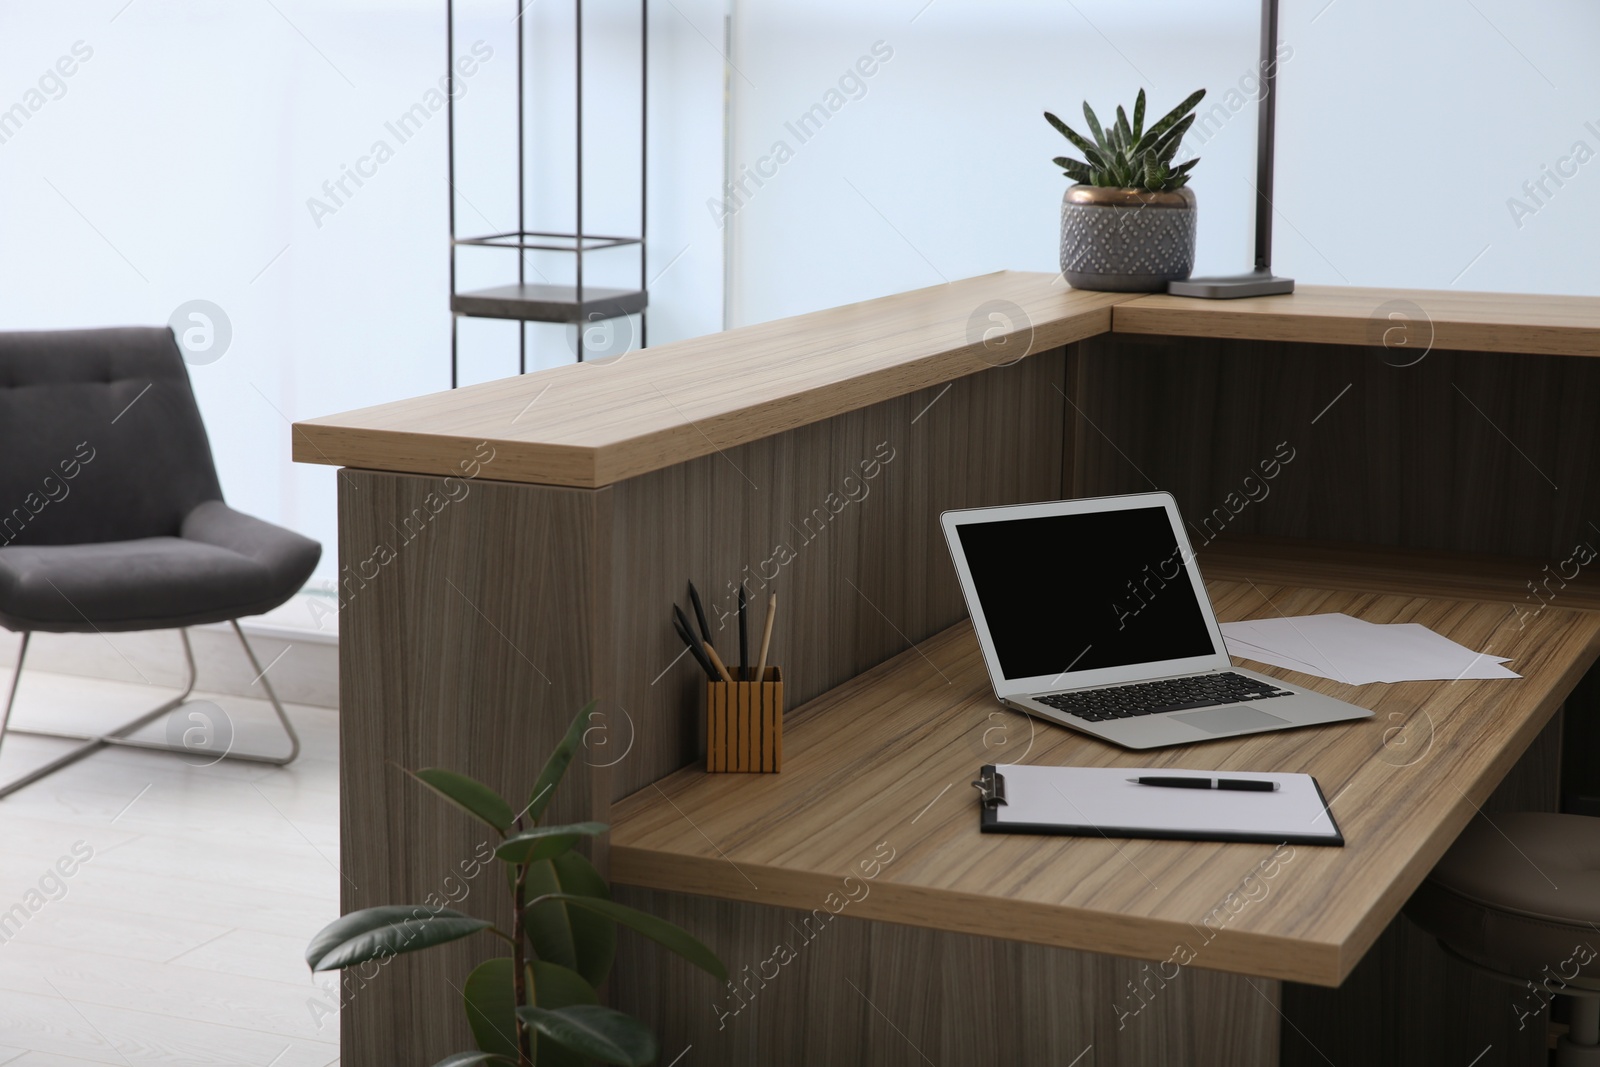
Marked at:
<point>682,626</point>
<point>744,641</point>
<point>766,636</point>
<point>716,661</point>
<point>699,612</point>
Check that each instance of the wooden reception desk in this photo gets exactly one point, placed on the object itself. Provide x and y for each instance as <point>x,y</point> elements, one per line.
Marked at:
<point>511,550</point>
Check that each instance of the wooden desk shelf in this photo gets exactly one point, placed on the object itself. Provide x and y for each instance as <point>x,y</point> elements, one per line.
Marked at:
<point>888,757</point>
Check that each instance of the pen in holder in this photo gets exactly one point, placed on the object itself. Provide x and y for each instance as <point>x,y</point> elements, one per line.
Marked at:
<point>744,724</point>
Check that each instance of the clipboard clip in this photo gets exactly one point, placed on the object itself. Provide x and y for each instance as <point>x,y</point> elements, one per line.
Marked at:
<point>991,788</point>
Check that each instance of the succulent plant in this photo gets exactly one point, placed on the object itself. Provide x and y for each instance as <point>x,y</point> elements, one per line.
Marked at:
<point>1124,154</point>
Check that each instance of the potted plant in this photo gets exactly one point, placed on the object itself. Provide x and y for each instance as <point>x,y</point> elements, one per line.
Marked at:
<point>538,1005</point>
<point>1128,224</point>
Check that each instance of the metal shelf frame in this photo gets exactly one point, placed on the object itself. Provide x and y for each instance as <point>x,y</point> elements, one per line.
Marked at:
<point>576,242</point>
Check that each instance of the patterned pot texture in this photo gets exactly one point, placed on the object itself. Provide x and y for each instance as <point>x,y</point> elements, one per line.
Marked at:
<point>1126,240</point>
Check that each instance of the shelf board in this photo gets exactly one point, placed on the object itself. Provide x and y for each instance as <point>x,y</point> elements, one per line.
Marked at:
<point>590,242</point>
<point>548,303</point>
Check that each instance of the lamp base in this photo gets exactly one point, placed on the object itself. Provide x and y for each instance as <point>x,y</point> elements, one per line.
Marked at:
<point>1233,286</point>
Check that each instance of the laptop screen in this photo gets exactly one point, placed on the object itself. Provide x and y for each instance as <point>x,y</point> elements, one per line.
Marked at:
<point>1084,592</point>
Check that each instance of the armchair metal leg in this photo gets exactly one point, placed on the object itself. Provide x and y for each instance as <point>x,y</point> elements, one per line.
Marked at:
<point>16,676</point>
<point>94,742</point>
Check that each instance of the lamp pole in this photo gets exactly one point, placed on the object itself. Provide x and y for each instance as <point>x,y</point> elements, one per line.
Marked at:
<point>1260,281</point>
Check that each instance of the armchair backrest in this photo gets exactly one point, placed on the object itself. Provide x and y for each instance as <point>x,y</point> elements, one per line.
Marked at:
<point>100,437</point>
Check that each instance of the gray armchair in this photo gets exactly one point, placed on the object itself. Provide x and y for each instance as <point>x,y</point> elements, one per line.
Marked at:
<point>111,517</point>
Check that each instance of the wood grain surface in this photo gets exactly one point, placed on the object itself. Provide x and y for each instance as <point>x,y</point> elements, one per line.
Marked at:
<point>840,517</point>
<point>1518,583</point>
<point>887,757</point>
<point>592,424</point>
<point>846,992</point>
<point>1466,452</point>
<point>468,641</point>
<point>596,423</point>
<point>1410,1005</point>
<point>1403,320</point>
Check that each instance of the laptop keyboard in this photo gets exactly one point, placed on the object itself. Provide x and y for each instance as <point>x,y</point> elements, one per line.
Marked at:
<point>1153,698</point>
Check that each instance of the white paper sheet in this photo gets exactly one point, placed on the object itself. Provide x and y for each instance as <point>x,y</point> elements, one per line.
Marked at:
<point>1358,652</point>
<point>1101,800</point>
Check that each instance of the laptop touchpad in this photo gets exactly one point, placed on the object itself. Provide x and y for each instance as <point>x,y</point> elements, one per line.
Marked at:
<point>1230,720</point>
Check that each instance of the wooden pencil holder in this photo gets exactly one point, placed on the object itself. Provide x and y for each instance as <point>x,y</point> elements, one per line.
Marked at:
<point>744,725</point>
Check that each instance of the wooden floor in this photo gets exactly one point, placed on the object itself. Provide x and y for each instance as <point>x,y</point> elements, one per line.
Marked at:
<point>181,939</point>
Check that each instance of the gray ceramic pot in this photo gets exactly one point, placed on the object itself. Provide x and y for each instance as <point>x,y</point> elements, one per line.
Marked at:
<point>1126,240</point>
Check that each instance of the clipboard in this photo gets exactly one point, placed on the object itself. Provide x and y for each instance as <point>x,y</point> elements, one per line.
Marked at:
<point>1103,802</point>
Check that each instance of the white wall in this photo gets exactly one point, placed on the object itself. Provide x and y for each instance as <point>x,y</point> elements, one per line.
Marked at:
<point>177,161</point>
<point>1403,131</point>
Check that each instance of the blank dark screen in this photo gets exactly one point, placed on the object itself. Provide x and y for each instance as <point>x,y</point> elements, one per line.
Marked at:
<point>1083,592</point>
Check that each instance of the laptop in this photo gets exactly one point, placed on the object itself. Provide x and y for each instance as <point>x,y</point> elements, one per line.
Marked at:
<point>1092,614</point>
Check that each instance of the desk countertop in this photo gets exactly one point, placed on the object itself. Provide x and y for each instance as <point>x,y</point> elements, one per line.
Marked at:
<point>882,764</point>
<point>1404,320</point>
<point>593,424</point>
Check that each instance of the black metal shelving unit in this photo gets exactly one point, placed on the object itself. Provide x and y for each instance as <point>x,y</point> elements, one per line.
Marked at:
<point>575,304</point>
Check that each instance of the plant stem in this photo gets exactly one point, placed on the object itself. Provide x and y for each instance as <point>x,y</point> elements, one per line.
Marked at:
<point>519,983</point>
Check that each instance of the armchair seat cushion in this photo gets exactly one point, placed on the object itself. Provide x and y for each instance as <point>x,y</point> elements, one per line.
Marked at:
<point>224,565</point>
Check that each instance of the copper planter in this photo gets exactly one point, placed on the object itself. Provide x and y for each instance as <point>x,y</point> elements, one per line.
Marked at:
<point>1126,240</point>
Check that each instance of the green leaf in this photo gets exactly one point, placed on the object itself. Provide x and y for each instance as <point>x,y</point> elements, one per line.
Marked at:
<point>1155,173</point>
<point>1167,146</point>
<point>658,930</point>
<point>1138,117</point>
<point>387,931</point>
<point>546,842</point>
<point>554,987</point>
<point>1094,128</point>
<point>1081,143</point>
<point>1124,131</point>
<point>491,998</point>
<point>1076,170</point>
<point>581,940</point>
<point>1185,167</point>
<point>600,1033</point>
<point>555,768</point>
<point>472,797</point>
<point>1169,120</point>
<point>472,1059</point>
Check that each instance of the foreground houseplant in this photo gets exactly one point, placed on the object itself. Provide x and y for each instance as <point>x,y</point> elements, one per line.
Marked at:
<point>539,1004</point>
<point>1128,225</point>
